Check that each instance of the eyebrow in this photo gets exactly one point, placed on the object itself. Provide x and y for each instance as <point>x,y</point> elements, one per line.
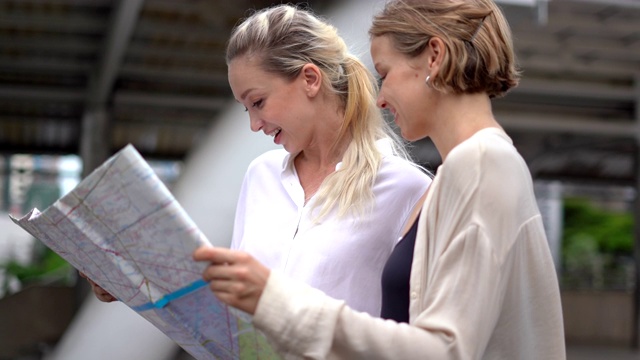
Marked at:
<point>244,94</point>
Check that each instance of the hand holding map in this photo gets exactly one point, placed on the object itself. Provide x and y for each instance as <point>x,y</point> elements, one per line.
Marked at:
<point>122,228</point>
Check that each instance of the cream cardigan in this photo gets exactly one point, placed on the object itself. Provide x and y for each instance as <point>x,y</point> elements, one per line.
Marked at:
<point>483,284</point>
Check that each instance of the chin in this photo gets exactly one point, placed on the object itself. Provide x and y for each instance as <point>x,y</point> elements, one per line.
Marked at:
<point>408,136</point>
<point>413,137</point>
<point>289,149</point>
<point>414,133</point>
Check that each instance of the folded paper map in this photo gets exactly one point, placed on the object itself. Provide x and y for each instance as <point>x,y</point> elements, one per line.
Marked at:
<point>122,228</point>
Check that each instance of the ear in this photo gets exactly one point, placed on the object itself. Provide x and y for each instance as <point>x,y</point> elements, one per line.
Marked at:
<point>433,55</point>
<point>312,77</point>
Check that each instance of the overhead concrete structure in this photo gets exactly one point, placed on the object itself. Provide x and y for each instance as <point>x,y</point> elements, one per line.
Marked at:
<point>90,76</point>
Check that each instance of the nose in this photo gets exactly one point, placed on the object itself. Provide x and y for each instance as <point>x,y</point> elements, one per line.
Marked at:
<point>255,123</point>
<point>381,102</point>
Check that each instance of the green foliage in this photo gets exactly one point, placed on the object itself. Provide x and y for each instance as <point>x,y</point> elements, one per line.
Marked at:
<point>596,245</point>
<point>50,268</point>
<point>612,232</point>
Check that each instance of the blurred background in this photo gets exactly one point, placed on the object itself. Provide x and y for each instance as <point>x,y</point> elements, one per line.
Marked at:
<point>80,79</point>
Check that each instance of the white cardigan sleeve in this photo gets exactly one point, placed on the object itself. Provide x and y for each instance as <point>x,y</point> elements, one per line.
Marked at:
<point>303,323</point>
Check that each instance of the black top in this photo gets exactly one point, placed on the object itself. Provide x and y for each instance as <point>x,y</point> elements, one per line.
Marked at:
<point>395,278</point>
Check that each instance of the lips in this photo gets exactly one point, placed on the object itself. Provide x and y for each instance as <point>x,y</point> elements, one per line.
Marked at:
<point>394,113</point>
<point>274,133</point>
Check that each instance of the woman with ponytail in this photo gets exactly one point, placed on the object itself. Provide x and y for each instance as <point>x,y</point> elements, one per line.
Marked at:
<point>329,208</point>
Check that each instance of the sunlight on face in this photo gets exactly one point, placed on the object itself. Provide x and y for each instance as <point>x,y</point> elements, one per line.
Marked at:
<point>275,105</point>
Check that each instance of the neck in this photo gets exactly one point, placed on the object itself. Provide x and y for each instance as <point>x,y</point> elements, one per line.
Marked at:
<point>321,155</point>
<point>314,165</point>
<point>327,145</point>
<point>458,118</point>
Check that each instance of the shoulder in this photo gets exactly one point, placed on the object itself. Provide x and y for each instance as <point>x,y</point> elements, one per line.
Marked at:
<point>396,166</point>
<point>270,160</point>
<point>489,151</point>
<point>398,170</point>
<point>487,170</point>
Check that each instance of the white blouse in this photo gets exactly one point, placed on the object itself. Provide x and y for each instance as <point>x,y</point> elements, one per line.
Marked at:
<point>343,257</point>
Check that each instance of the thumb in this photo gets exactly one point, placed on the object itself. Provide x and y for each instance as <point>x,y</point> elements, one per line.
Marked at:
<point>204,253</point>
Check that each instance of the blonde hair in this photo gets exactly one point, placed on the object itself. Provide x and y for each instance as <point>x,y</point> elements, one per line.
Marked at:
<point>284,38</point>
<point>479,56</point>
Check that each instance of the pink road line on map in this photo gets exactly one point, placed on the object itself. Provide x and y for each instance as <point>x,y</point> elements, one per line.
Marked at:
<point>166,267</point>
<point>139,291</point>
<point>145,216</point>
<point>122,285</point>
<point>110,251</point>
<point>127,285</point>
<point>65,217</point>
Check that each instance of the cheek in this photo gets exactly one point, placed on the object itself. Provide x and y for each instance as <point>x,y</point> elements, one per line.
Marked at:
<point>273,112</point>
<point>413,110</point>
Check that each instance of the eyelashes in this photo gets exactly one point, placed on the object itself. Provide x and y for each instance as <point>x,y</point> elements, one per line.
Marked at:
<point>257,104</point>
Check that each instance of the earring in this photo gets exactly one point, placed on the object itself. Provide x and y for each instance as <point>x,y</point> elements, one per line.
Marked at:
<point>427,80</point>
